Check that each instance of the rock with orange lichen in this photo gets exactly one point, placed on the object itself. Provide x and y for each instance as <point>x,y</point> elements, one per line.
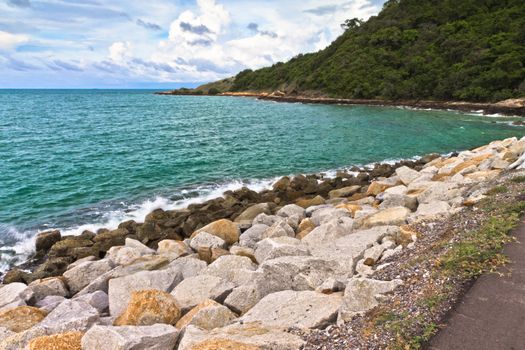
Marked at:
<point>207,315</point>
<point>21,318</point>
<point>224,344</point>
<point>225,229</point>
<point>64,341</point>
<point>149,307</point>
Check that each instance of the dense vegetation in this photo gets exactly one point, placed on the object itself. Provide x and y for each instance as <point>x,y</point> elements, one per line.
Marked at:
<point>434,49</point>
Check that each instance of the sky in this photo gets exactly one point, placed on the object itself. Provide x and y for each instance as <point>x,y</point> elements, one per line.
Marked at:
<point>159,43</point>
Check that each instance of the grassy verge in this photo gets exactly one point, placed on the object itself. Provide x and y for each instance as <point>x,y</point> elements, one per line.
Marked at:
<point>458,256</point>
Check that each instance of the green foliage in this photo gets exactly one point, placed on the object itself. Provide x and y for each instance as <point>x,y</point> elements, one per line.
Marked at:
<point>437,49</point>
<point>214,91</point>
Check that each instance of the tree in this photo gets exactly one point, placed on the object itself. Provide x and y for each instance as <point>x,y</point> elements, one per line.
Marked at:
<point>351,24</point>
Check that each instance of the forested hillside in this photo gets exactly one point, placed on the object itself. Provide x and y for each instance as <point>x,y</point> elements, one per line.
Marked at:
<point>434,49</point>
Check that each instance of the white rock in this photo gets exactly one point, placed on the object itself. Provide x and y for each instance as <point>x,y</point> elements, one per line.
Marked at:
<point>234,268</point>
<point>268,220</point>
<point>271,248</point>
<point>398,200</point>
<point>331,285</point>
<point>206,240</point>
<point>141,248</point>
<point>120,288</point>
<point>279,229</point>
<point>99,300</point>
<point>194,290</point>
<point>49,286</point>
<point>329,231</point>
<point>361,295</point>
<point>251,236</point>
<point>292,210</point>
<point>305,309</point>
<point>432,209</point>
<point>207,315</point>
<point>187,266</point>
<point>80,261</point>
<point>155,337</point>
<point>5,333</point>
<point>173,249</point>
<point>80,276</point>
<point>326,215</point>
<point>69,316</point>
<point>406,175</point>
<point>49,303</point>
<point>13,295</point>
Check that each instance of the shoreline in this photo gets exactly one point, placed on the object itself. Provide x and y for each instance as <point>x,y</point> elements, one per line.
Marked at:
<point>509,109</point>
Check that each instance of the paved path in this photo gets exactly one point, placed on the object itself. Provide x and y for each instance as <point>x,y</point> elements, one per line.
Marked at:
<point>491,315</point>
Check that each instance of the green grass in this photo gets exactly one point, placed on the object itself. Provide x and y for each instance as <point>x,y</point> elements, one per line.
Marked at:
<point>497,190</point>
<point>518,179</point>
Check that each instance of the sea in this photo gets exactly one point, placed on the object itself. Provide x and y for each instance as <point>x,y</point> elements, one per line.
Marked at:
<point>78,160</point>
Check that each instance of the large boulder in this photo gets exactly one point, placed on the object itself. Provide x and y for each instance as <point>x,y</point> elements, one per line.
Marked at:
<point>99,300</point>
<point>188,266</point>
<point>155,337</point>
<point>45,240</point>
<point>49,286</point>
<point>205,240</point>
<point>173,249</point>
<point>305,309</point>
<point>70,315</point>
<point>207,315</point>
<point>62,341</point>
<point>432,209</point>
<point>194,290</point>
<point>251,236</point>
<point>344,192</point>
<point>398,200</point>
<point>325,215</point>
<point>247,216</point>
<point>291,210</point>
<point>253,336</point>
<point>120,289</point>
<point>225,229</point>
<point>406,175</point>
<point>233,268</point>
<point>13,295</point>
<point>21,318</point>
<point>271,248</point>
<point>310,202</point>
<point>279,229</point>
<point>149,307</point>
<point>49,303</point>
<point>390,216</point>
<point>362,294</point>
<point>329,231</point>
<point>80,276</point>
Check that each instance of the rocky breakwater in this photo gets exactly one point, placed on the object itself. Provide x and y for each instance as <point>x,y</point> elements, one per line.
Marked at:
<point>242,271</point>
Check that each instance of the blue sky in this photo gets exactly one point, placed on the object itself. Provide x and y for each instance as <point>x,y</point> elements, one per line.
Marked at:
<point>159,43</point>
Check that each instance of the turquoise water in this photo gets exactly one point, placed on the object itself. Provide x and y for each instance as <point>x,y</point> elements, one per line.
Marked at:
<point>74,159</point>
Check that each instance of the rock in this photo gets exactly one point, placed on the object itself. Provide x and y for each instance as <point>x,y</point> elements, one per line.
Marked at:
<point>49,303</point>
<point>325,215</point>
<point>194,290</point>
<point>16,275</point>
<point>17,341</point>
<point>120,288</point>
<point>362,269</point>
<point>81,275</point>
<point>138,246</point>
<point>145,263</point>
<point>225,229</point>
<point>45,240</point>
<point>291,210</point>
<point>279,229</point>
<point>206,240</point>
<point>305,203</point>
<point>398,200</point>
<point>233,268</point>
<point>207,315</point>
<point>62,341</point>
<point>13,295</point>
<point>407,175</point>
<point>99,300</point>
<point>344,192</point>
<point>361,295</point>
<point>329,231</point>
<point>268,220</point>
<point>253,235</point>
<point>21,318</point>
<point>5,333</point>
<point>173,249</point>
<point>122,255</point>
<point>243,251</point>
<point>188,266</point>
<point>253,336</point>
<point>155,337</point>
<point>390,216</point>
<point>376,187</point>
<point>331,285</point>
<point>80,261</point>
<point>247,216</point>
<point>48,286</point>
<point>305,309</point>
<point>148,307</point>
<point>305,227</point>
<point>73,247</point>
<point>70,315</point>
<point>432,209</point>
<point>271,248</point>
<point>351,208</point>
<point>372,254</point>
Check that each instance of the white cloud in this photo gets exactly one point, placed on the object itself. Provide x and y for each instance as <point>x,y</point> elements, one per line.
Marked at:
<point>8,40</point>
<point>120,51</point>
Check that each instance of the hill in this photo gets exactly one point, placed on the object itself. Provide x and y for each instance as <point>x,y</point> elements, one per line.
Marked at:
<point>471,50</point>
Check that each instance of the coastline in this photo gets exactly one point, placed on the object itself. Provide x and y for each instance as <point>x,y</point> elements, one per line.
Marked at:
<point>341,253</point>
<point>507,109</point>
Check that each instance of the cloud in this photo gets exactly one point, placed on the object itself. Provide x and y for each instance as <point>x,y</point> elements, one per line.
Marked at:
<point>323,10</point>
<point>199,30</point>
<point>255,28</point>
<point>120,51</point>
<point>19,3</point>
<point>66,66</point>
<point>8,40</point>
<point>19,65</point>
<point>148,25</point>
